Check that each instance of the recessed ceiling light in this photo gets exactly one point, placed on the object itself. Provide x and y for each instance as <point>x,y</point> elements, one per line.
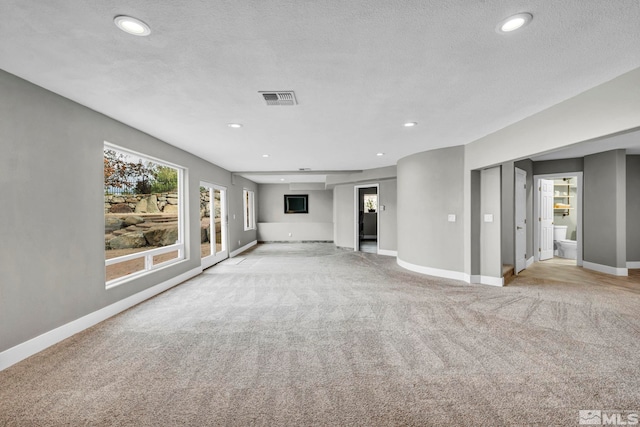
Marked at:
<point>410,124</point>
<point>514,22</point>
<point>234,125</point>
<point>281,179</point>
<point>380,154</point>
<point>265,155</point>
<point>132,25</point>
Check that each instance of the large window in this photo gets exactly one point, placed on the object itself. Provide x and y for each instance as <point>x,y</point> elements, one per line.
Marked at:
<point>143,217</point>
<point>249,209</point>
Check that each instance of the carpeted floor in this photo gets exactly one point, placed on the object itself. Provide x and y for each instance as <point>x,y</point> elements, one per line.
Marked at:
<point>307,334</point>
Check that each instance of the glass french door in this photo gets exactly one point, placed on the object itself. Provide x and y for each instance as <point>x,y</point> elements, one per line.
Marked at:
<point>213,224</point>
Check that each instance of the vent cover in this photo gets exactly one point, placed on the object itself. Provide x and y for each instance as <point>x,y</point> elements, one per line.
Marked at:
<point>281,97</point>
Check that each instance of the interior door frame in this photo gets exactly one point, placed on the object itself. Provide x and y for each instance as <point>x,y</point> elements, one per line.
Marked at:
<point>356,210</point>
<point>214,258</point>
<point>518,171</point>
<point>536,212</point>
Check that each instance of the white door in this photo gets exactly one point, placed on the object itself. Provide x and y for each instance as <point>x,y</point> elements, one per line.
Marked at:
<point>521,219</point>
<point>213,224</point>
<point>546,219</point>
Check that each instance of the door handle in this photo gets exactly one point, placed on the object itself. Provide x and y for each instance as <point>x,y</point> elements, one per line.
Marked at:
<point>518,227</point>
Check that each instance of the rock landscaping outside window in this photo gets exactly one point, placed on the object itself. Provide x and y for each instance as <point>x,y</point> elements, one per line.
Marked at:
<point>142,208</point>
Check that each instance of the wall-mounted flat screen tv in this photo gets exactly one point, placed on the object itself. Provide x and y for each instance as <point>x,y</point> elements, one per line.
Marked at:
<point>296,203</point>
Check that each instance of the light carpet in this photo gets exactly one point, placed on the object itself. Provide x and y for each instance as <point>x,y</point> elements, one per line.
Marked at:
<point>307,334</point>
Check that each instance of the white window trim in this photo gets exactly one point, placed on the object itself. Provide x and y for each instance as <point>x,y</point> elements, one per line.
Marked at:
<point>250,210</point>
<point>149,254</point>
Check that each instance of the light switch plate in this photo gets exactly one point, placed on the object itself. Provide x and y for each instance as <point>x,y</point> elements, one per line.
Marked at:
<point>488,217</point>
<point>451,217</point>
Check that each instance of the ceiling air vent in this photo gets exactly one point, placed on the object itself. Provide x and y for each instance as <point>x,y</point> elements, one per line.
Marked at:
<point>283,97</point>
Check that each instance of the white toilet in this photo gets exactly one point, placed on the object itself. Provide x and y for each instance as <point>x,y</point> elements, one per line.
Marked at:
<point>562,247</point>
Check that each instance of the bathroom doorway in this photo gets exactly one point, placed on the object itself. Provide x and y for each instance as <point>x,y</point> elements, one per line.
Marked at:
<point>366,239</point>
<point>558,229</point>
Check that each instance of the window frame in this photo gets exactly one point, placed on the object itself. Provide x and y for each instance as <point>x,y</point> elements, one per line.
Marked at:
<point>149,254</point>
<point>249,209</point>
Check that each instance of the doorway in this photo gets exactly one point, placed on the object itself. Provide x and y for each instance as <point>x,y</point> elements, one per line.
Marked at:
<point>366,210</point>
<point>558,208</point>
<point>213,224</point>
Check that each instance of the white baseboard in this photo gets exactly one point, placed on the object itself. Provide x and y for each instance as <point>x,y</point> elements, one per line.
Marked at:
<point>529,262</point>
<point>486,280</point>
<point>242,249</point>
<point>633,264</point>
<point>605,268</point>
<point>387,252</point>
<point>35,345</point>
<point>493,281</point>
<point>447,274</point>
<point>456,275</point>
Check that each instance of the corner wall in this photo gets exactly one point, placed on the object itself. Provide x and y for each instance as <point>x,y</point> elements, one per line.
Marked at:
<point>605,212</point>
<point>430,187</point>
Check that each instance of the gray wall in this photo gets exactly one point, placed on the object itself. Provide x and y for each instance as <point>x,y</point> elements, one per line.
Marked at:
<point>558,166</point>
<point>430,186</point>
<point>604,212</point>
<point>388,230</point>
<point>344,213</point>
<point>343,216</point>
<point>275,225</point>
<point>52,252</point>
<point>527,166</point>
<point>633,208</point>
<point>490,232</point>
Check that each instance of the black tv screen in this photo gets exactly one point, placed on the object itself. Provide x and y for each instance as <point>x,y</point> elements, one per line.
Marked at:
<point>296,203</point>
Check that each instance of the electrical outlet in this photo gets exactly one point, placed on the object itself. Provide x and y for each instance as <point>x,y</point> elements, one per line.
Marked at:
<point>289,234</point>
<point>238,242</point>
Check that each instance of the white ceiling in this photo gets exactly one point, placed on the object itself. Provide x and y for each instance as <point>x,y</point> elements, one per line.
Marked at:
<point>360,69</point>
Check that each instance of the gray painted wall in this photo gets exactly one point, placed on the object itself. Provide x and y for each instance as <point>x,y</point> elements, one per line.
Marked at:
<point>275,225</point>
<point>604,212</point>
<point>558,166</point>
<point>388,230</point>
<point>52,252</point>
<point>475,220</point>
<point>344,214</point>
<point>633,208</point>
<point>508,213</point>
<point>430,187</point>
<point>344,217</point>
<point>527,166</point>
<point>490,232</point>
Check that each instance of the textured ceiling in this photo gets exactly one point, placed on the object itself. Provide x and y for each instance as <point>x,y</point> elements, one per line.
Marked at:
<point>360,69</point>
